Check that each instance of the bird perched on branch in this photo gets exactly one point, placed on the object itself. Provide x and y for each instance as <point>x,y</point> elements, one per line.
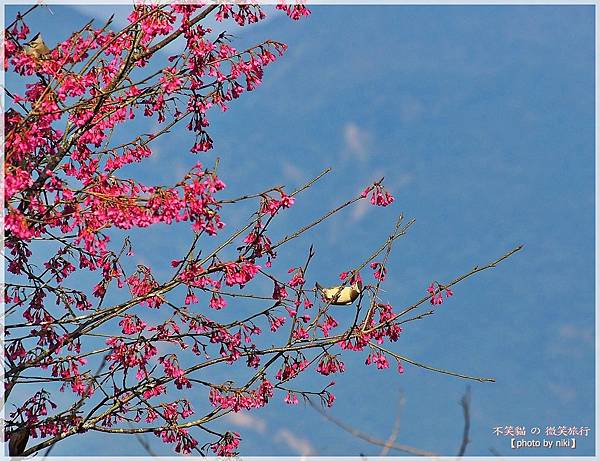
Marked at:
<point>18,441</point>
<point>36,47</point>
<point>340,295</point>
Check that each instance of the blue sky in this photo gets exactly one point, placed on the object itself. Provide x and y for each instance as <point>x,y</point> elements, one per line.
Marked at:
<point>481,119</point>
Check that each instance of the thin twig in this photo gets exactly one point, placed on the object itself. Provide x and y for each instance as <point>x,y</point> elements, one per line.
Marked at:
<point>145,445</point>
<point>395,431</point>
<point>366,437</point>
<point>430,368</point>
<point>465,403</point>
<point>473,271</point>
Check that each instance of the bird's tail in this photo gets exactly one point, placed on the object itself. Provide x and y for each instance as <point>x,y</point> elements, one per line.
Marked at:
<point>318,287</point>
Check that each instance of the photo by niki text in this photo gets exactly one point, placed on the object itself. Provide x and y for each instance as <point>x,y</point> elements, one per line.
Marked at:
<point>542,437</point>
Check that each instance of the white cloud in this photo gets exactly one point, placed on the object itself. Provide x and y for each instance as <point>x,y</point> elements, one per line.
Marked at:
<point>101,13</point>
<point>247,420</point>
<point>156,153</point>
<point>293,172</point>
<point>565,394</point>
<point>411,109</point>
<point>573,342</point>
<point>356,141</point>
<point>403,180</point>
<point>572,332</point>
<point>302,446</point>
<point>360,210</point>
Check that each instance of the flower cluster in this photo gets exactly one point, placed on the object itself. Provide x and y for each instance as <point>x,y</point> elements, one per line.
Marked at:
<point>184,442</point>
<point>130,355</point>
<point>276,322</point>
<point>227,444</point>
<point>272,206</point>
<point>279,292</point>
<point>328,324</point>
<point>330,364</point>
<point>240,273</point>
<point>379,269</point>
<point>436,290</point>
<point>258,244</point>
<point>379,359</point>
<point>297,279</point>
<point>354,276</point>
<point>291,398</point>
<point>172,370</point>
<point>295,11</point>
<point>379,196</point>
<point>238,400</point>
<point>229,343</point>
<point>291,369</point>
<point>68,370</point>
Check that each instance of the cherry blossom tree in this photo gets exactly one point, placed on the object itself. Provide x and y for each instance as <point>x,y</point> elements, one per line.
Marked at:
<point>68,210</point>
